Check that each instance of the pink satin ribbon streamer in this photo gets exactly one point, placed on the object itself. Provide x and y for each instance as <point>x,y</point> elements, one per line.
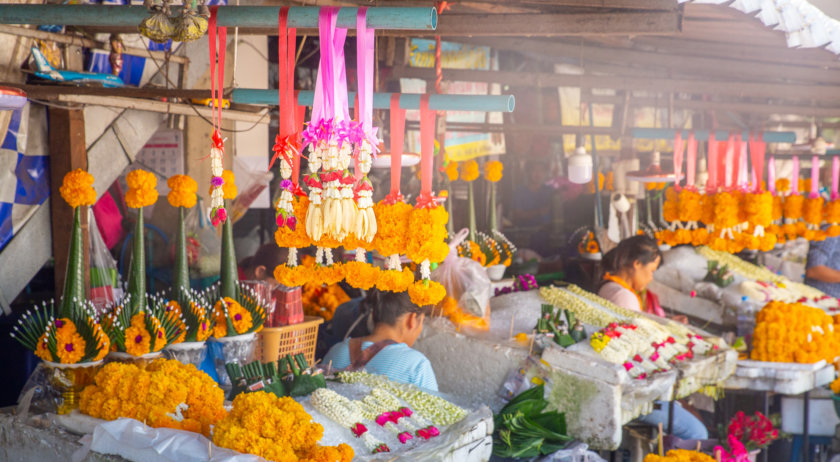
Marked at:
<point>691,162</point>
<point>427,153</point>
<point>730,162</point>
<point>397,137</point>
<point>815,177</point>
<point>743,172</point>
<point>712,163</point>
<point>758,150</point>
<point>678,158</point>
<point>364,65</point>
<point>835,177</point>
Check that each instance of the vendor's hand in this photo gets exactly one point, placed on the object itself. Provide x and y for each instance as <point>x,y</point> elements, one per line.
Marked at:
<point>680,318</point>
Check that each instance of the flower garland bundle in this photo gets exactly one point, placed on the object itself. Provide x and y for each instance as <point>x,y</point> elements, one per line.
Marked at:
<point>164,394</point>
<point>277,429</point>
<point>433,408</point>
<point>69,338</point>
<point>220,176</point>
<point>238,317</point>
<point>140,332</point>
<point>793,332</point>
<point>832,217</point>
<point>793,208</point>
<point>758,211</point>
<point>725,225</point>
<point>346,413</point>
<point>387,411</point>
<point>426,244</point>
<point>141,189</point>
<point>449,308</point>
<point>812,216</point>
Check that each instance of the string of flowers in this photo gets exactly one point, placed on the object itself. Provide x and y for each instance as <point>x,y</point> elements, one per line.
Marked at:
<point>347,414</point>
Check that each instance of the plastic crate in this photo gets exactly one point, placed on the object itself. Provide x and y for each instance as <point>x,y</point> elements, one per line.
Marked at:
<point>275,342</point>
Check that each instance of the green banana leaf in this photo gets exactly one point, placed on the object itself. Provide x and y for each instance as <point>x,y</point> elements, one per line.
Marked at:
<point>74,281</point>
<point>229,274</point>
<point>137,268</point>
<point>181,270</point>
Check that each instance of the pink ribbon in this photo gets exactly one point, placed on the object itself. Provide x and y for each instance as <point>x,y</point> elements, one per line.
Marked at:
<point>729,161</point>
<point>427,153</point>
<point>815,177</point>
<point>743,173</point>
<point>397,136</point>
<point>364,68</point>
<point>794,180</point>
<point>691,162</point>
<point>712,163</point>
<point>758,150</point>
<point>835,177</point>
<point>771,175</point>
<point>678,158</point>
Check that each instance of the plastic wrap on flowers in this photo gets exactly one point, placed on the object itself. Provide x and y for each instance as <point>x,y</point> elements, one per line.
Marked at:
<point>237,349</point>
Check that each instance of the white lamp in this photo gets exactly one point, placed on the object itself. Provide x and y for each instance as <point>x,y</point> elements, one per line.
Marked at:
<point>580,166</point>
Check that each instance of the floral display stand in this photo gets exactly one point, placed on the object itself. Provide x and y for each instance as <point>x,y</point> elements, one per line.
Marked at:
<point>585,385</point>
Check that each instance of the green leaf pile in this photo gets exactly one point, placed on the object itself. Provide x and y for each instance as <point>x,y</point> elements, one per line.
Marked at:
<point>523,429</point>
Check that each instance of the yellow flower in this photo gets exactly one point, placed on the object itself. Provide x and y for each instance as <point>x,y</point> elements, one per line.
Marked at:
<point>329,274</point>
<point>493,171</point>
<point>285,237</point>
<point>77,188</point>
<point>137,338</point>
<point>41,349</point>
<point>293,276</point>
<point>240,318</point>
<point>141,179</point>
<point>395,281</point>
<point>182,191</point>
<point>425,293</point>
<point>470,171</point>
<point>229,188</point>
<point>392,227</point>
<point>361,275</point>
<point>70,346</point>
<point>426,239</point>
<point>452,171</point>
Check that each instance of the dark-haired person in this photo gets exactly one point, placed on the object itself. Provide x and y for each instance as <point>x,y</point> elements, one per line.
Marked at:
<point>397,322</point>
<point>628,269</point>
<point>260,266</point>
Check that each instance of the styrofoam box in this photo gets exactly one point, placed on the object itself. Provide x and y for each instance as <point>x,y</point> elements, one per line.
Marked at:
<point>822,419</point>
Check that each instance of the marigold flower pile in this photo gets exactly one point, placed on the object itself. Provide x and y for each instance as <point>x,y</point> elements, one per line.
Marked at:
<point>793,332</point>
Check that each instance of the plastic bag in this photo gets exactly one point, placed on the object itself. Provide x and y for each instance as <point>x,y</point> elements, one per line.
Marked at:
<point>467,284</point>
<point>251,183</point>
<point>105,285</point>
<point>204,245</point>
<point>576,452</point>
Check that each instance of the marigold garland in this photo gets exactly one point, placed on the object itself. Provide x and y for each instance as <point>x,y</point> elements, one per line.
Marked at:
<point>294,276</point>
<point>277,429</point>
<point>493,171</point>
<point>426,292</point>
<point>285,236</point>
<point>182,191</point>
<point>812,215</point>
<point>141,189</point>
<point>793,208</point>
<point>361,275</point>
<point>164,394</point>
<point>793,332</point>
<point>470,171</point>
<point>392,222</point>
<point>329,274</point>
<point>427,235</point>
<point>77,188</point>
<point>395,281</point>
<point>229,190</point>
<point>832,217</point>
<point>679,455</point>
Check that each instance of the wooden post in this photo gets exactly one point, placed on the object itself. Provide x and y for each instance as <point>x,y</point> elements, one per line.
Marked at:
<point>67,152</point>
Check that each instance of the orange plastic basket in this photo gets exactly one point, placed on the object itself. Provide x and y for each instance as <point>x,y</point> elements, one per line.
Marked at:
<point>276,342</point>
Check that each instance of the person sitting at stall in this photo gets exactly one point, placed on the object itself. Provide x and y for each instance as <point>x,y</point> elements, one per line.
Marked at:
<point>397,322</point>
<point>823,266</point>
<point>260,266</point>
<point>628,269</point>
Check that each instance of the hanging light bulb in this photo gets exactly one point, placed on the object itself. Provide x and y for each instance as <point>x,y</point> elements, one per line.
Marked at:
<point>580,166</point>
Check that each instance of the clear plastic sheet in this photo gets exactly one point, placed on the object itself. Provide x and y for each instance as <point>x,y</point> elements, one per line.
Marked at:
<point>577,452</point>
<point>465,280</point>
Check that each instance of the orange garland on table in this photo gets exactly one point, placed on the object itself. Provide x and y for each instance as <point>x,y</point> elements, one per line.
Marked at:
<point>812,217</point>
<point>758,211</point>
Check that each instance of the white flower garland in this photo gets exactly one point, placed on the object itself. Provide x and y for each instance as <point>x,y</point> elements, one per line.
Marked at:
<point>346,413</point>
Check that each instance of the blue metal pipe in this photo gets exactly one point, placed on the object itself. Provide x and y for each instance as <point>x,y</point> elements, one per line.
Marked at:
<point>703,135</point>
<point>480,103</point>
<point>305,17</point>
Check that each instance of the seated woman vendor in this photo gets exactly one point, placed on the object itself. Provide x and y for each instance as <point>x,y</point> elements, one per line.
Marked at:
<point>397,322</point>
<point>629,269</point>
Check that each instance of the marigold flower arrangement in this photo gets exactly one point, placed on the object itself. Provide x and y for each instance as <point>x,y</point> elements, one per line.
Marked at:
<point>679,455</point>
<point>793,332</point>
<point>140,332</point>
<point>452,171</point>
<point>195,324</point>
<point>426,244</point>
<point>397,280</point>
<point>164,394</point>
<point>493,171</point>
<point>277,429</point>
<point>72,337</point>
<point>470,171</point>
<point>235,318</point>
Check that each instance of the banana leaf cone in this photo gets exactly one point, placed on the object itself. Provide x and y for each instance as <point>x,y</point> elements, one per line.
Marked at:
<point>229,273</point>
<point>181,271</point>
<point>492,207</point>
<point>137,269</point>
<point>74,281</point>
<point>472,214</point>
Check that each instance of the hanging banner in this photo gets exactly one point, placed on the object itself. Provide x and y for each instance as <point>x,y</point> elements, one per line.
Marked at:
<point>460,146</point>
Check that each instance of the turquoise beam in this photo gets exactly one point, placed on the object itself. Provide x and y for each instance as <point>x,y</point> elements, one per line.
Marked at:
<point>703,135</point>
<point>304,17</point>
<point>479,103</point>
